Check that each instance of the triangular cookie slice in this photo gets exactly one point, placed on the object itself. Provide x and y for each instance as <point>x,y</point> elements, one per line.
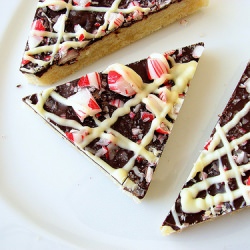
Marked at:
<point>67,35</point>
<point>219,182</point>
<point>121,118</point>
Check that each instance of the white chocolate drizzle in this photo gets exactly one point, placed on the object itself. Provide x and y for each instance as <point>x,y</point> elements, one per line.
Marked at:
<point>147,93</point>
<point>189,203</point>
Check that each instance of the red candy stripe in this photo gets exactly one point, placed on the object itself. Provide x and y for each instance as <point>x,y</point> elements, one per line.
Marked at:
<point>156,66</point>
<point>146,116</point>
<point>90,80</point>
<point>248,181</point>
<point>93,104</point>
<point>38,25</point>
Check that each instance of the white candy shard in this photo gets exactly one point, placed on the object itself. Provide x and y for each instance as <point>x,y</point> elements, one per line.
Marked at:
<point>197,52</point>
<point>35,40</point>
<point>59,23</point>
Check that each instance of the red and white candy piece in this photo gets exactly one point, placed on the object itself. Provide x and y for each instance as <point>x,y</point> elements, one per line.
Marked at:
<point>136,14</point>
<point>163,93</point>
<point>56,7</point>
<point>156,106</point>
<point>147,116</point>
<point>149,174</point>
<point>35,40</point>
<point>90,80</point>
<point>24,62</point>
<point>82,3</point>
<point>157,65</point>
<point>119,85</point>
<point>240,157</point>
<point>169,53</point>
<point>115,20</point>
<point>108,151</point>
<point>80,32</point>
<point>132,115</point>
<point>84,104</point>
<point>206,146</point>
<point>136,131</point>
<point>133,4</point>
<point>102,151</point>
<point>123,80</point>
<point>163,129</point>
<point>38,25</point>
<point>76,136</point>
<point>117,103</point>
<point>248,181</point>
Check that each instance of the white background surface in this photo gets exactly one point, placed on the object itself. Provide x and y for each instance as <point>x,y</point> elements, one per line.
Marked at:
<point>51,197</point>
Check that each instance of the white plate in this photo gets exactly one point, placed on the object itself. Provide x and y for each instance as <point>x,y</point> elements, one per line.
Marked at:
<point>51,197</point>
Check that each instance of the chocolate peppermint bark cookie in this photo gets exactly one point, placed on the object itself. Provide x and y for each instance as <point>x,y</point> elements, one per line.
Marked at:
<point>219,182</point>
<point>67,35</point>
<point>121,118</point>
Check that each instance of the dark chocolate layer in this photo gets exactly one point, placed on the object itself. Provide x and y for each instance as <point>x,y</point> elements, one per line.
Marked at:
<point>124,125</point>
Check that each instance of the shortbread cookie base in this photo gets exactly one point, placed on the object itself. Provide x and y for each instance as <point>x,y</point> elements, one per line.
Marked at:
<point>119,39</point>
